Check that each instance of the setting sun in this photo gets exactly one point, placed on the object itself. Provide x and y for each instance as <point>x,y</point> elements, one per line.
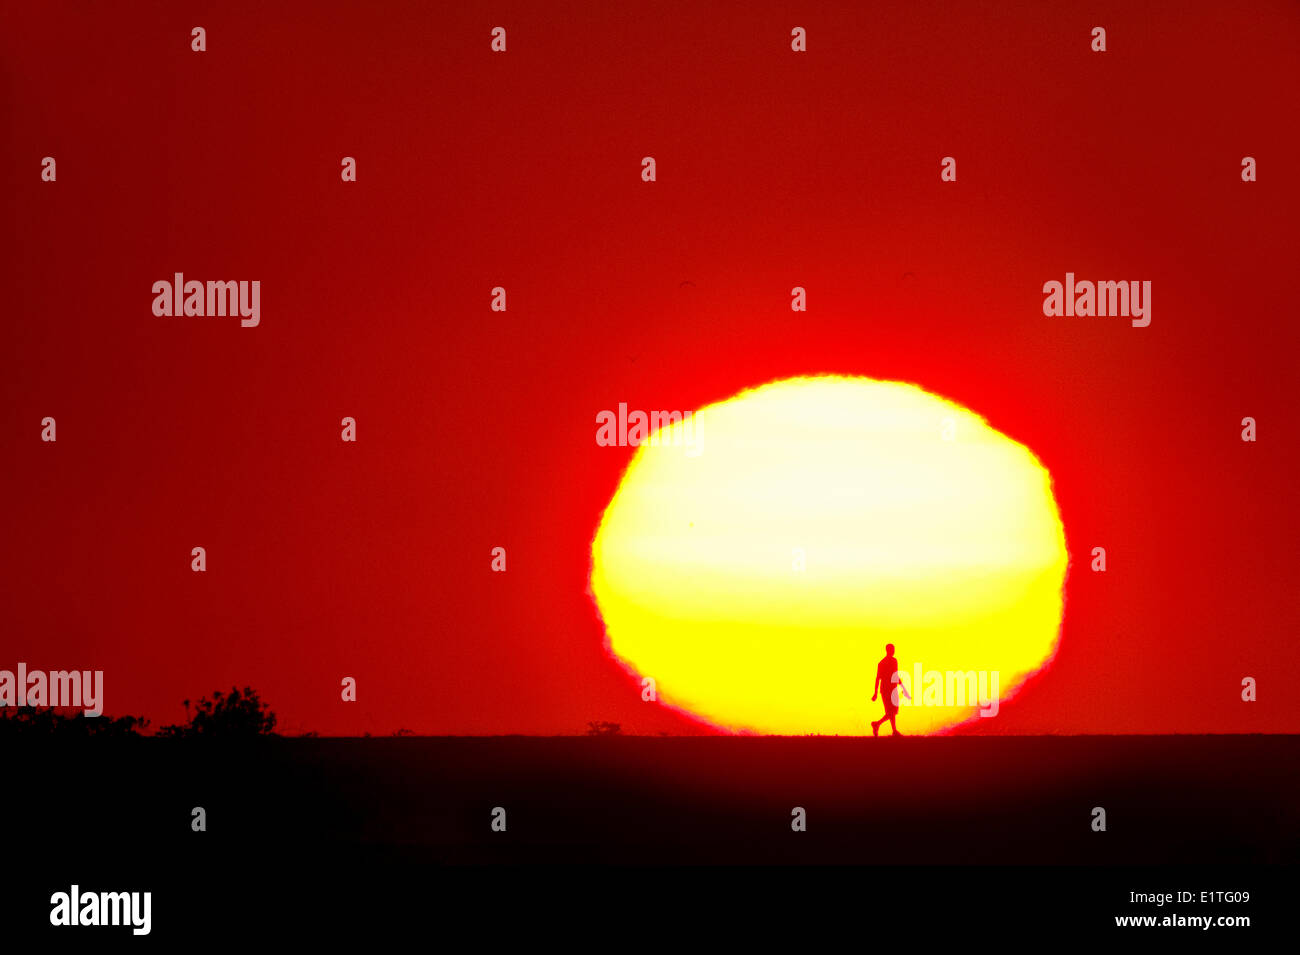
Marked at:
<point>756,559</point>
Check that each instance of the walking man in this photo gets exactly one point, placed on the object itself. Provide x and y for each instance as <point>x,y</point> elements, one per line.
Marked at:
<point>887,679</point>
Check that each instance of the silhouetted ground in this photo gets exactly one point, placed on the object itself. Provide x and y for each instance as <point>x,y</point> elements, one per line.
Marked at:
<point>639,800</point>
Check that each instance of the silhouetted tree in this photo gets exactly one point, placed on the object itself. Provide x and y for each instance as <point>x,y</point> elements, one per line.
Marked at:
<point>239,714</point>
<point>604,728</point>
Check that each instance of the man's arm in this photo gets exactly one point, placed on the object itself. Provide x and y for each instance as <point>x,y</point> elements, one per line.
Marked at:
<point>902,683</point>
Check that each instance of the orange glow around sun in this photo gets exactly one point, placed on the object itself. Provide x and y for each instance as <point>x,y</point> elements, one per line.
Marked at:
<point>756,559</point>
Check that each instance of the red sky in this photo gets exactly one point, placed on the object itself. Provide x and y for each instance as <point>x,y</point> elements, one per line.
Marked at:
<point>476,428</point>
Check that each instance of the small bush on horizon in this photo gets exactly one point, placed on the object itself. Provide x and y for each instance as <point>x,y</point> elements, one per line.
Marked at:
<point>239,714</point>
<point>47,721</point>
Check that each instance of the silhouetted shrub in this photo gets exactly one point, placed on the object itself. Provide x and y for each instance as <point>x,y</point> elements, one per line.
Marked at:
<point>46,721</point>
<point>239,714</point>
<point>604,728</point>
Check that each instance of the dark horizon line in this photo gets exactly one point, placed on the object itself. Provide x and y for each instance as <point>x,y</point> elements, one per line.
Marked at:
<point>765,736</point>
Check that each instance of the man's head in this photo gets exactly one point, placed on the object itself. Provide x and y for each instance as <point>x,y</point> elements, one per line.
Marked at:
<point>889,649</point>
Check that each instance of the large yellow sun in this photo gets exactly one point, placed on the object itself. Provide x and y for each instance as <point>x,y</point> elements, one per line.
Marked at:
<point>758,556</point>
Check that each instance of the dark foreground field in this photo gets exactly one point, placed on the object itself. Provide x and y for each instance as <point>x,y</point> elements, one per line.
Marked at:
<point>982,839</point>
<point>648,800</point>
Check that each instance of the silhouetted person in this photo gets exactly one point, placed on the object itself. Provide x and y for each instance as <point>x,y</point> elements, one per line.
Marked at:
<point>887,679</point>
